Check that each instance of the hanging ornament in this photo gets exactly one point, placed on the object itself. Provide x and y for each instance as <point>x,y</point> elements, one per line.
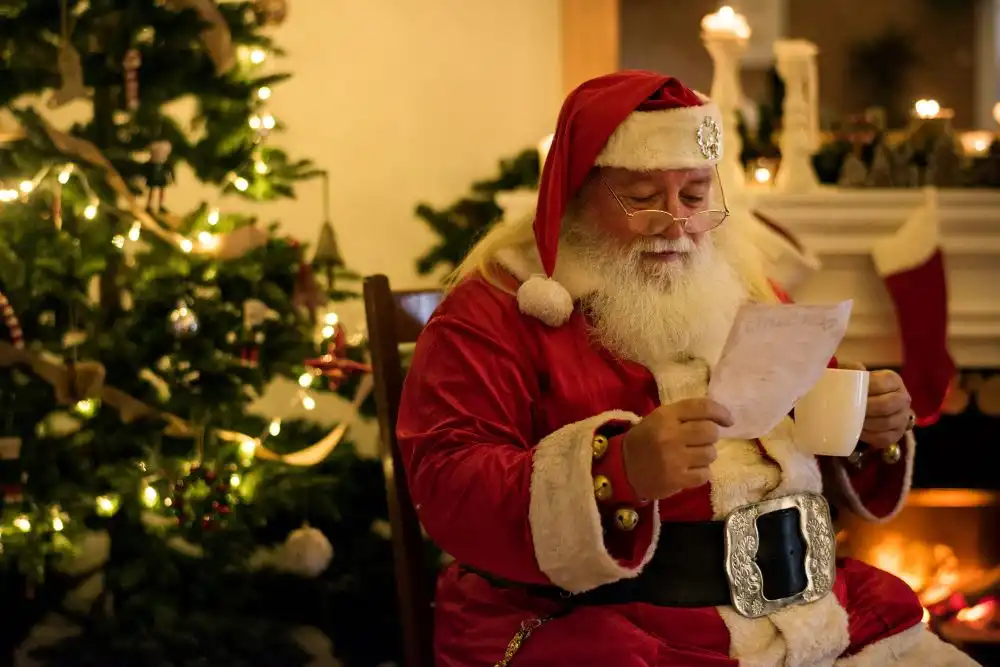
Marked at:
<point>250,355</point>
<point>11,322</point>
<point>70,66</point>
<point>183,321</point>
<point>306,294</point>
<point>160,174</point>
<point>131,65</point>
<point>334,365</point>
<point>327,256</point>
<point>270,12</point>
<point>10,471</point>
<point>255,314</point>
<point>306,552</point>
<point>204,498</point>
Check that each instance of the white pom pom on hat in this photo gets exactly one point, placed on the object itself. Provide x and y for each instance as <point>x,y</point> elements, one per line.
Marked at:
<point>545,299</point>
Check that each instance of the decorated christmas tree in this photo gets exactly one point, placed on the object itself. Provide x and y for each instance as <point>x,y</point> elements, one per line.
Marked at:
<point>149,515</point>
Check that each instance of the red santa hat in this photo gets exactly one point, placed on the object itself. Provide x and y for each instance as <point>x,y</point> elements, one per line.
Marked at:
<point>635,120</point>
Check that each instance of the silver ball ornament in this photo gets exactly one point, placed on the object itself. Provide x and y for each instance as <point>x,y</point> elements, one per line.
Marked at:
<point>183,322</point>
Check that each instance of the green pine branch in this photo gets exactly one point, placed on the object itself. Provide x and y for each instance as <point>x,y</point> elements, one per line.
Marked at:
<point>462,223</point>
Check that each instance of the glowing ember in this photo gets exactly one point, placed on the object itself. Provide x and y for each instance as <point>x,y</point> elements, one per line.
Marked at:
<point>943,585</point>
<point>981,615</point>
<point>930,570</point>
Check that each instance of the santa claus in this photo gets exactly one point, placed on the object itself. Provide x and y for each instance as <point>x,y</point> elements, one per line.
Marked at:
<point>560,445</point>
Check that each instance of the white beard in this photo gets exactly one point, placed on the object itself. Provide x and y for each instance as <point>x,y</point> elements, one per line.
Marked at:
<point>660,313</point>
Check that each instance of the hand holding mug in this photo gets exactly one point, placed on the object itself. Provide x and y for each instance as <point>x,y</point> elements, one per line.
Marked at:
<point>887,415</point>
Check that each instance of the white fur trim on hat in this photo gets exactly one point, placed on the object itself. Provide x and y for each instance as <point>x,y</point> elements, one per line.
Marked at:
<point>545,299</point>
<point>682,138</point>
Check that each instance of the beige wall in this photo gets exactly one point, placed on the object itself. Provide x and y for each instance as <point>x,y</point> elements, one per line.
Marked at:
<point>406,101</point>
<point>664,35</point>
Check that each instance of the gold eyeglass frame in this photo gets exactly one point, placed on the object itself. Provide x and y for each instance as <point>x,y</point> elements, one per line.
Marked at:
<point>682,221</point>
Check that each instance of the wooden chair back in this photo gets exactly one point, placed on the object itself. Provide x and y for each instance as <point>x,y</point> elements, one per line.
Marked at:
<point>394,319</point>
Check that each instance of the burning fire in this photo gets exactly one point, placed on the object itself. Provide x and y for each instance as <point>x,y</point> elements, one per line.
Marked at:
<point>940,581</point>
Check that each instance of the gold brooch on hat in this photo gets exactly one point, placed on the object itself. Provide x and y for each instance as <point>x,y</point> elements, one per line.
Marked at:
<point>710,139</point>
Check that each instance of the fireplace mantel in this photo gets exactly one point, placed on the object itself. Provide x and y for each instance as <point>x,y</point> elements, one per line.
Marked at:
<point>840,226</point>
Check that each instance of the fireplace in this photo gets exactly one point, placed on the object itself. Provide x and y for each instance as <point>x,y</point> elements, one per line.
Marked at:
<point>945,544</point>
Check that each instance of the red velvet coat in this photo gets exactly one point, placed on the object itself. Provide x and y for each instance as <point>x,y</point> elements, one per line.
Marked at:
<point>498,416</point>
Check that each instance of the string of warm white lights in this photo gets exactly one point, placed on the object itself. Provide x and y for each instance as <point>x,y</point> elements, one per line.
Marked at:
<point>205,241</point>
<point>53,518</point>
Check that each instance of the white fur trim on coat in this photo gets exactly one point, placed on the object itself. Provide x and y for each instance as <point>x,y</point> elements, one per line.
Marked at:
<point>914,243</point>
<point>787,259</point>
<point>913,647</point>
<point>857,505</point>
<point>666,139</point>
<point>565,521</point>
<point>812,634</point>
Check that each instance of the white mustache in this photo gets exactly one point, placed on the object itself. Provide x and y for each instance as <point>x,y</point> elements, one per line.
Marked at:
<point>658,244</point>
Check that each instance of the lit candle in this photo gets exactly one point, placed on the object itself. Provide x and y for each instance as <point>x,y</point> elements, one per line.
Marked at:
<point>927,108</point>
<point>543,149</point>
<point>726,23</point>
<point>976,143</point>
<point>762,175</point>
<point>996,112</point>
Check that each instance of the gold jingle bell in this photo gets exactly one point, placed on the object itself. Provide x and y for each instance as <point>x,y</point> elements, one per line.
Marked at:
<point>626,519</point>
<point>602,488</point>
<point>600,446</point>
<point>892,453</point>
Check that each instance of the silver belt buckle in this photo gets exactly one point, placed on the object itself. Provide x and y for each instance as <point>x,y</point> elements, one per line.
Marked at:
<point>746,582</point>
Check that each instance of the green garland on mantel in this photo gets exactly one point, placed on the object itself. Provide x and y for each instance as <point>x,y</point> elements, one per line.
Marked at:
<point>462,223</point>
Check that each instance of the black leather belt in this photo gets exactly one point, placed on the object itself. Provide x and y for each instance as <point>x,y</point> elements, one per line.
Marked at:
<point>688,568</point>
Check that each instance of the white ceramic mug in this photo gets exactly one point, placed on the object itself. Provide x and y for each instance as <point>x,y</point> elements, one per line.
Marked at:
<point>830,417</point>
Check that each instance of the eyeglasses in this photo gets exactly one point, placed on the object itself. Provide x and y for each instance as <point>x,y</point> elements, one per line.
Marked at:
<point>655,221</point>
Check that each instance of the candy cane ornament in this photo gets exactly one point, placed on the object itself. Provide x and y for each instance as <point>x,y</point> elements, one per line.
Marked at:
<point>132,63</point>
<point>11,322</point>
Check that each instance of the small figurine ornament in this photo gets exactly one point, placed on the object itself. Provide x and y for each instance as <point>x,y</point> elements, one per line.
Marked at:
<point>160,174</point>
<point>853,173</point>
<point>880,174</point>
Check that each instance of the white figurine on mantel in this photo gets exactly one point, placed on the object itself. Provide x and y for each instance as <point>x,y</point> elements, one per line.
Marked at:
<point>726,35</point>
<point>796,64</point>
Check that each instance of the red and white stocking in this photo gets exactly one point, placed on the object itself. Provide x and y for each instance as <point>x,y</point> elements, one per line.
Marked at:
<point>911,264</point>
